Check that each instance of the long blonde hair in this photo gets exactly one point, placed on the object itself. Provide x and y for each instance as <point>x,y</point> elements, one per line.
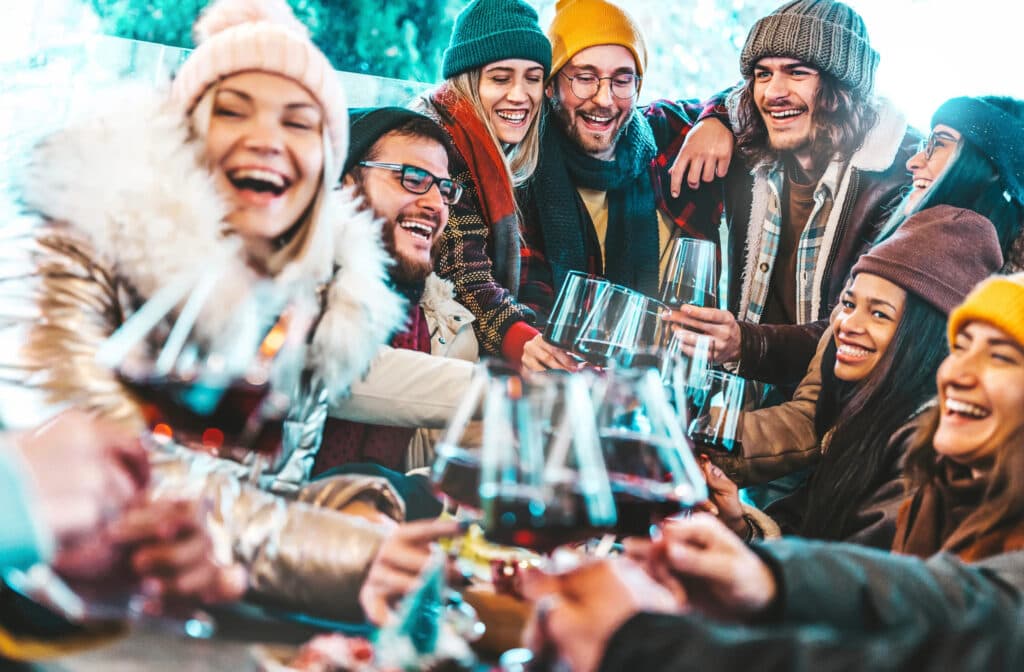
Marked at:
<point>520,159</point>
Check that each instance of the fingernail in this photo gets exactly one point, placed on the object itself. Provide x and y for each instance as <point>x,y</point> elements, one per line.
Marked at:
<point>716,471</point>
<point>675,194</point>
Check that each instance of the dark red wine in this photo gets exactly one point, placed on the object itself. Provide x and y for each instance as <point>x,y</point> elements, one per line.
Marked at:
<point>638,507</point>
<point>718,442</point>
<point>458,476</point>
<point>562,335</point>
<point>677,297</point>
<point>525,522</point>
<point>210,417</point>
<point>601,353</point>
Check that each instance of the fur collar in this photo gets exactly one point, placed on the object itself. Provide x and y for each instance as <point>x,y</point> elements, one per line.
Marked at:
<point>130,181</point>
<point>877,154</point>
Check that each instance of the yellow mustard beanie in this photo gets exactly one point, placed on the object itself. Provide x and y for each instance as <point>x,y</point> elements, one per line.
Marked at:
<point>579,24</point>
<point>999,301</point>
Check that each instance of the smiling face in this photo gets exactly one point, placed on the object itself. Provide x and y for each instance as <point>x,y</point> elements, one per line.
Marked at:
<point>594,123</point>
<point>510,92</point>
<point>927,165</point>
<point>785,91</point>
<point>981,394</point>
<point>413,222</point>
<point>869,313</point>
<point>264,147</point>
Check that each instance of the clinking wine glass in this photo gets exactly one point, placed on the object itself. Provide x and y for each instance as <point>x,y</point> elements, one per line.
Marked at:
<point>456,469</point>
<point>718,422</point>
<point>213,377</point>
<point>647,455</point>
<point>576,300</point>
<point>691,277</point>
<point>543,483</point>
<point>609,333</point>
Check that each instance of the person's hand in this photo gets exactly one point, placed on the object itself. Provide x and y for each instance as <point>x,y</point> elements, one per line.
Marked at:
<point>84,472</point>
<point>575,614</point>
<point>172,552</point>
<point>724,498</point>
<point>721,575</point>
<point>705,154</point>
<point>398,564</point>
<point>539,355</point>
<point>720,325</point>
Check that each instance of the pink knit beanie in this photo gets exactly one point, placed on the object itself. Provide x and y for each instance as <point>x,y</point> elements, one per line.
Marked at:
<point>236,36</point>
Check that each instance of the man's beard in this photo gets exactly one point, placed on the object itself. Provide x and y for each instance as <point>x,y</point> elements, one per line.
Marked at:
<point>405,270</point>
<point>589,143</point>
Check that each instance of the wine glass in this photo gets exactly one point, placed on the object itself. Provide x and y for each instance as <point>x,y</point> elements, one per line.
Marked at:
<point>543,483</point>
<point>691,277</point>
<point>718,421</point>
<point>610,331</point>
<point>647,455</point>
<point>456,469</point>
<point>212,377</point>
<point>575,301</point>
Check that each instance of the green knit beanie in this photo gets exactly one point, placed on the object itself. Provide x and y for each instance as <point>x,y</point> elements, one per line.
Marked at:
<point>493,30</point>
<point>823,33</point>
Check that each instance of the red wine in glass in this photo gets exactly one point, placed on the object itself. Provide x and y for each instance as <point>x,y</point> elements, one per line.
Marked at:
<point>540,524</point>
<point>718,442</point>
<point>602,353</point>
<point>208,417</point>
<point>456,474</point>
<point>639,506</point>
<point>677,297</point>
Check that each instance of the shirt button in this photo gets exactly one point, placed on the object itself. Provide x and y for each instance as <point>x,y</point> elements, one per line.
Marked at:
<point>457,318</point>
<point>440,339</point>
<point>764,267</point>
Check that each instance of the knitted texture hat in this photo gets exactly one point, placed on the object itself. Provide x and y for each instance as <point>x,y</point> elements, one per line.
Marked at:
<point>997,134</point>
<point>493,30</point>
<point>263,35</point>
<point>368,124</point>
<point>999,301</point>
<point>580,24</point>
<point>823,33</point>
<point>939,254</point>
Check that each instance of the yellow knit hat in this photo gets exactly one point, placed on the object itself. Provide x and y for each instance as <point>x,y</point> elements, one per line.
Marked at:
<point>579,24</point>
<point>999,301</point>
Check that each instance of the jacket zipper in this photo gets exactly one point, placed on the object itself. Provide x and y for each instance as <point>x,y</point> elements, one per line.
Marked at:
<point>844,221</point>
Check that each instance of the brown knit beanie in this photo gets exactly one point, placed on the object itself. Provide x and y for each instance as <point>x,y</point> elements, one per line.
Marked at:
<point>826,34</point>
<point>939,254</point>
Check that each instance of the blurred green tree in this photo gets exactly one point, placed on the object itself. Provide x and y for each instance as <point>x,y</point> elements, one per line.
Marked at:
<point>403,39</point>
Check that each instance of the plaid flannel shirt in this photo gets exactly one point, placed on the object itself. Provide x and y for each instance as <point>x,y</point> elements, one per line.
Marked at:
<point>808,247</point>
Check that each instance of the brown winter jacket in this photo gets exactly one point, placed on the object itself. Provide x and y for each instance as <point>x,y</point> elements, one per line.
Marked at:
<point>781,439</point>
<point>778,353</point>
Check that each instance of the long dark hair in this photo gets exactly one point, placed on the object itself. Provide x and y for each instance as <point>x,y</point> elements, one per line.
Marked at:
<point>863,416</point>
<point>973,182</point>
<point>841,120</point>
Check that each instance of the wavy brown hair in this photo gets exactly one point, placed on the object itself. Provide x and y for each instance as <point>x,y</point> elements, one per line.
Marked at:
<point>1004,495</point>
<point>841,121</point>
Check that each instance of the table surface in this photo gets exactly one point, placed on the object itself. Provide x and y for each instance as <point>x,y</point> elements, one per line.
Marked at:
<point>150,649</point>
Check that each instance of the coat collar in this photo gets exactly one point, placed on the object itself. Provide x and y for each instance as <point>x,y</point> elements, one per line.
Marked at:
<point>129,179</point>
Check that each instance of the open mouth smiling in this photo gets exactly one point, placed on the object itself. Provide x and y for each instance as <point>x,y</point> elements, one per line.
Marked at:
<point>259,180</point>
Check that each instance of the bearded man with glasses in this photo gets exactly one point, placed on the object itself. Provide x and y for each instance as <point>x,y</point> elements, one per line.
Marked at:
<point>398,162</point>
<point>600,201</point>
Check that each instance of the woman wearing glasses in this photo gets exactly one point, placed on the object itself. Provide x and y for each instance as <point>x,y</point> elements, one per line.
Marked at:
<point>490,104</point>
<point>974,159</point>
<point>255,133</point>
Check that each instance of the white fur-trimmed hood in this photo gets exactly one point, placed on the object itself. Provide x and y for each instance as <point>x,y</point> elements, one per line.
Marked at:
<point>129,180</point>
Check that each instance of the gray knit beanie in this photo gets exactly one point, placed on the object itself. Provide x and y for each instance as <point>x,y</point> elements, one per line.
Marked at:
<point>826,34</point>
<point>493,30</point>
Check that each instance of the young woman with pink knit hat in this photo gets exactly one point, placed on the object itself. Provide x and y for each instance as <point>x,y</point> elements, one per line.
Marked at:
<point>235,168</point>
